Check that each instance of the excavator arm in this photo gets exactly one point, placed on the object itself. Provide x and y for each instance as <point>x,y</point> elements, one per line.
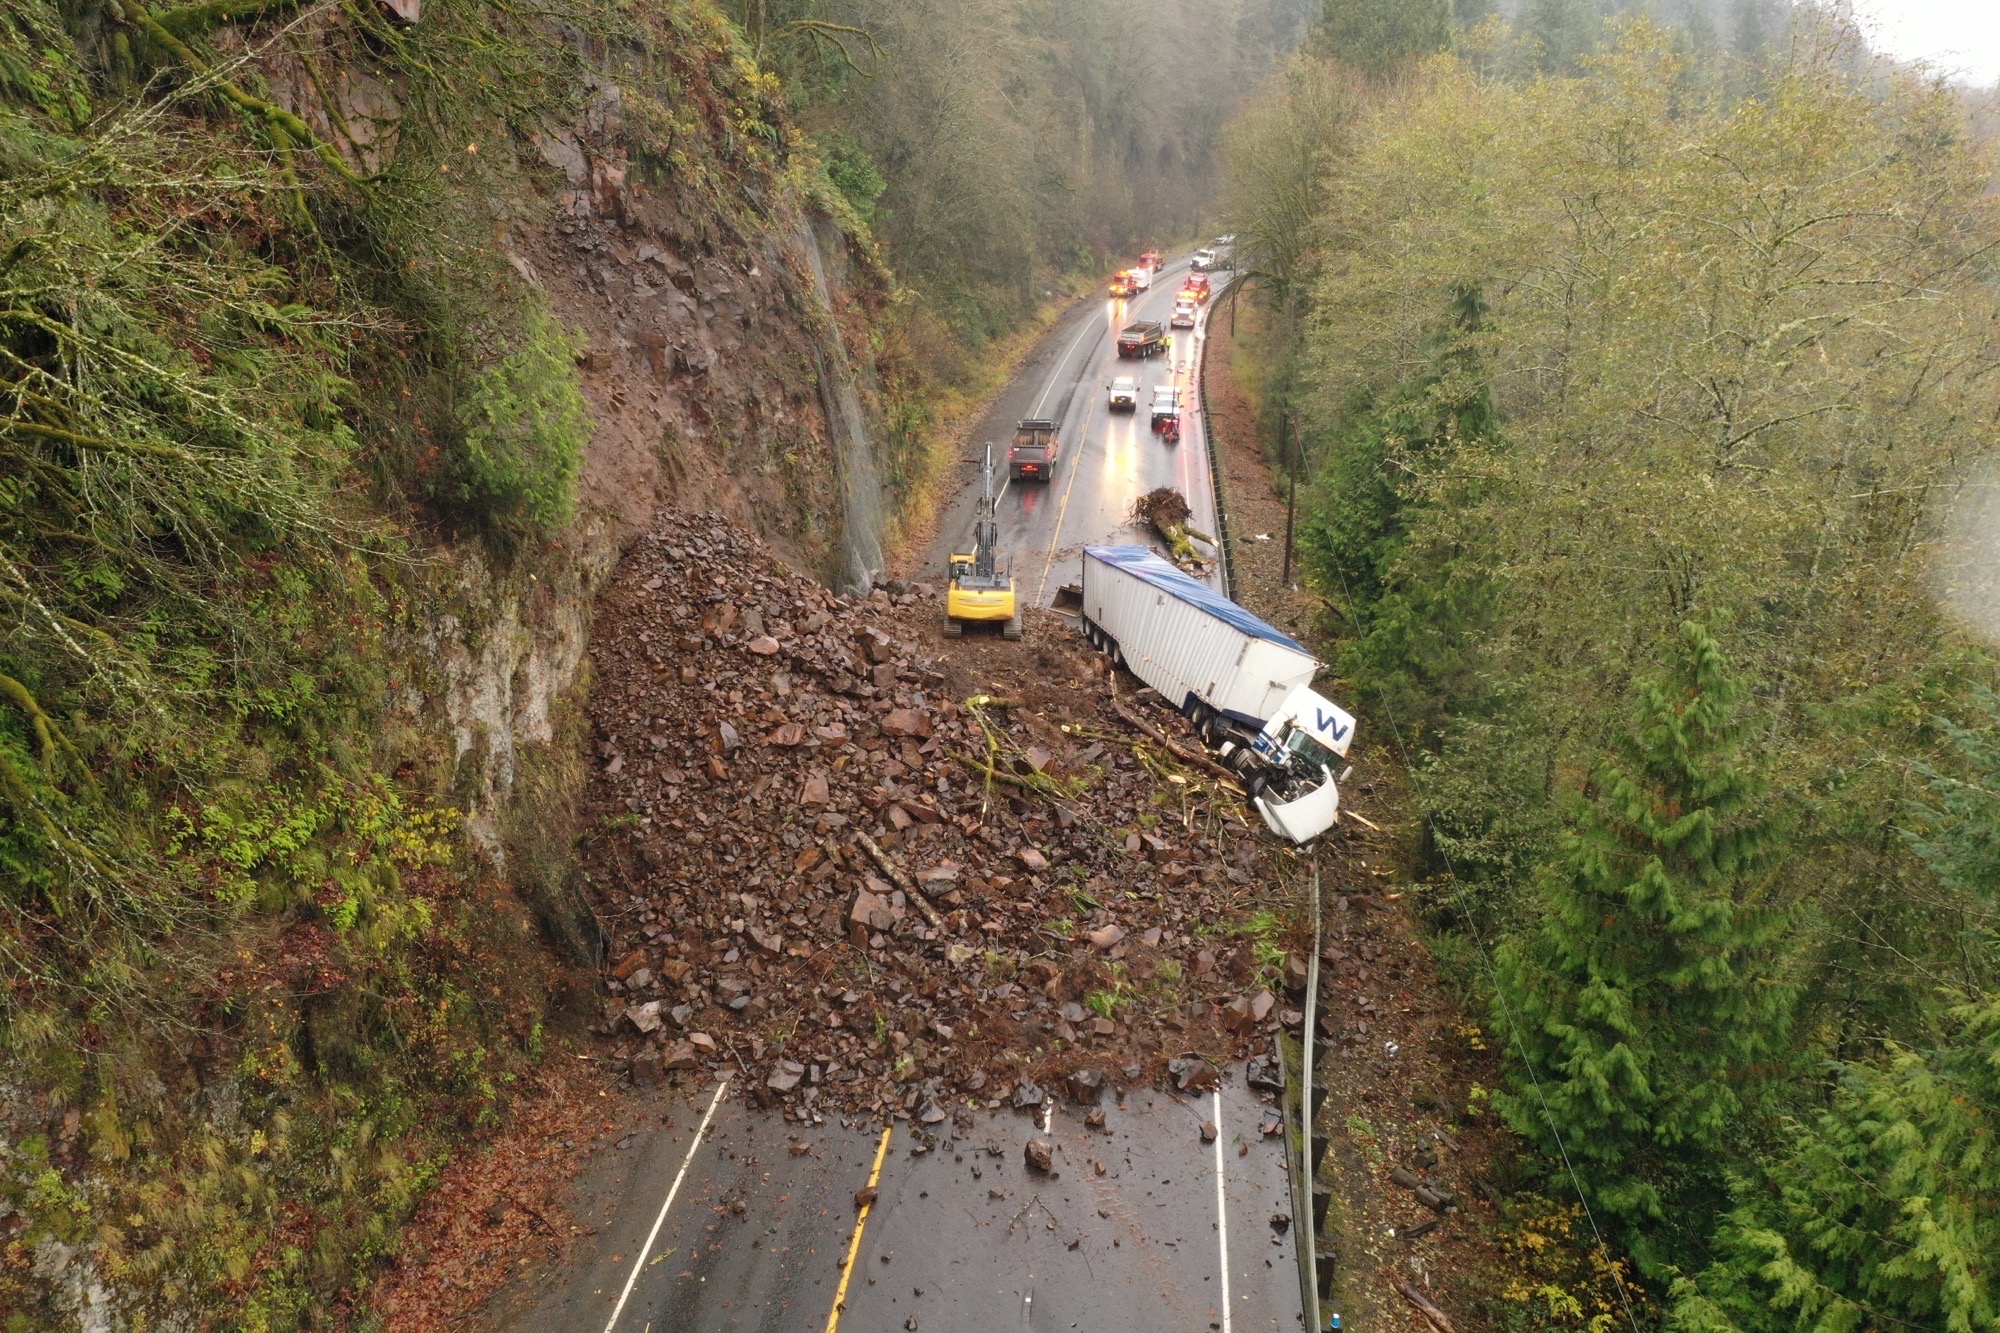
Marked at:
<point>978,590</point>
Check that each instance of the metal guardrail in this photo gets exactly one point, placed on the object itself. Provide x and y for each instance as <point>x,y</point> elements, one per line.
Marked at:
<point>1215,472</point>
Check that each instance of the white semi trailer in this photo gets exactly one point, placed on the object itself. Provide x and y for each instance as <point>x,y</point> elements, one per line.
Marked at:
<point>1246,687</point>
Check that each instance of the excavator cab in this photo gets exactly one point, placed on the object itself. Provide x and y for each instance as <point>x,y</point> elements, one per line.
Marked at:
<point>978,593</point>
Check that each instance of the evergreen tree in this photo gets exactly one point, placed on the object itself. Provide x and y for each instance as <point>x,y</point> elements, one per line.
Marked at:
<point>1647,1000</point>
<point>1753,28</point>
<point>1379,35</point>
<point>1412,616</point>
<point>1890,1212</point>
<point>1563,31</point>
<point>1959,837</point>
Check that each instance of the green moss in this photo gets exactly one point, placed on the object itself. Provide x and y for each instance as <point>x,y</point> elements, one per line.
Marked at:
<point>525,426</point>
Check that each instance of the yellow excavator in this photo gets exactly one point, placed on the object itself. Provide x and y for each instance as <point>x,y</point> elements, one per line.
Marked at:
<point>978,593</point>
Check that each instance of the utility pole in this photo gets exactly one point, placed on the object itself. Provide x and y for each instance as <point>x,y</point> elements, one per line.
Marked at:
<point>1292,491</point>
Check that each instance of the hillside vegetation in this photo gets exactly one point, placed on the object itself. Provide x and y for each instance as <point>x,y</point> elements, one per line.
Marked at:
<point>259,380</point>
<point>297,426</point>
<point>1636,385</point>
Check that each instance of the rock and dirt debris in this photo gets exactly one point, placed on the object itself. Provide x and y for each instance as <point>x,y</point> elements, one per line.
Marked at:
<point>873,879</point>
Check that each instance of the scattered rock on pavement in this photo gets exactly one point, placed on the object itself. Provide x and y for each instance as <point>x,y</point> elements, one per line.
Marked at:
<point>877,878</point>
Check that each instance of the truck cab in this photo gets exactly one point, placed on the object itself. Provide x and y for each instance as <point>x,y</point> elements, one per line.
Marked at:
<point>1124,394</point>
<point>1142,278</point>
<point>1122,285</point>
<point>1301,747</point>
<point>1152,261</point>
<point>1166,405</point>
<point>1032,455</point>
<point>1203,261</point>
<point>1183,316</point>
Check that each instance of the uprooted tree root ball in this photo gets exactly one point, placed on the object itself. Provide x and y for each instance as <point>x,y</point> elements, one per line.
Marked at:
<point>1163,507</point>
<point>846,869</point>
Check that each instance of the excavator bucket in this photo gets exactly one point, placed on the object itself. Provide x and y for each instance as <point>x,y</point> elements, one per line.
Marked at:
<point>1069,598</point>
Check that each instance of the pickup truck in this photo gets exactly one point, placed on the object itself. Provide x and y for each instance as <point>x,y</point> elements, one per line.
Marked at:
<point>1244,686</point>
<point>1033,452</point>
<point>1124,394</point>
<point>1183,316</point>
<point>1166,405</point>
<point>1142,338</point>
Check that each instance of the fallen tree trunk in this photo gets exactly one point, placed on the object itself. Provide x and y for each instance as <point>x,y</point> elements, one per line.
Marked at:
<point>1179,751</point>
<point>1434,1316</point>
<point>1166,509</point>
<point>902,880</point>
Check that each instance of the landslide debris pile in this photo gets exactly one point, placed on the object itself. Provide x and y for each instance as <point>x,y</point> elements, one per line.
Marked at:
<point>870,880</point>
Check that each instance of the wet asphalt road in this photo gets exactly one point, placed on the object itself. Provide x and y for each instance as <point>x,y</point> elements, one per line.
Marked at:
<point>1109,458</point>
<point>1142,1227</point>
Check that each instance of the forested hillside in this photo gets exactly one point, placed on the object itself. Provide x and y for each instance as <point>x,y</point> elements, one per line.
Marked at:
<point>994,145</point>
<point>1640,360</point>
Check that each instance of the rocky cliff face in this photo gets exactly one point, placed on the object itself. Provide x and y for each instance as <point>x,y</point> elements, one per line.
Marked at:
<point>718,377</point>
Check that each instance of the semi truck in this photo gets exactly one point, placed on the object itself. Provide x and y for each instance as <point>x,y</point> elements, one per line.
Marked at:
<point>1245,686</point>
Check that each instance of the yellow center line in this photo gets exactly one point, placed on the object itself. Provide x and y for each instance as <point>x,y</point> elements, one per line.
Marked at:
<point>860,1222</point>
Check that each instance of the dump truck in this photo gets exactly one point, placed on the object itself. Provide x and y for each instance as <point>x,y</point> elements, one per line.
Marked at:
<point>1146,337</point>
<point>1032,455</point>
<point>1166,406</point>
<point>1244,686</point>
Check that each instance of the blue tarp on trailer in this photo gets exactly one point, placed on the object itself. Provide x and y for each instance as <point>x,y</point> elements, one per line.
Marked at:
<point>1145,564</point>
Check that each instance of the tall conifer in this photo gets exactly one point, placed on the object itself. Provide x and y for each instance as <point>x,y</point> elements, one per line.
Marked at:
<point>1648,999</point>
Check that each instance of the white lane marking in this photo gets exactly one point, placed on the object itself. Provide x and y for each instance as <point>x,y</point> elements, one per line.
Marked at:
<point>660,1221</point>
<point>1048,1116</point>
<point>1221,1211</point>
<point>1036,410</point>
<point>1060,363</point>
